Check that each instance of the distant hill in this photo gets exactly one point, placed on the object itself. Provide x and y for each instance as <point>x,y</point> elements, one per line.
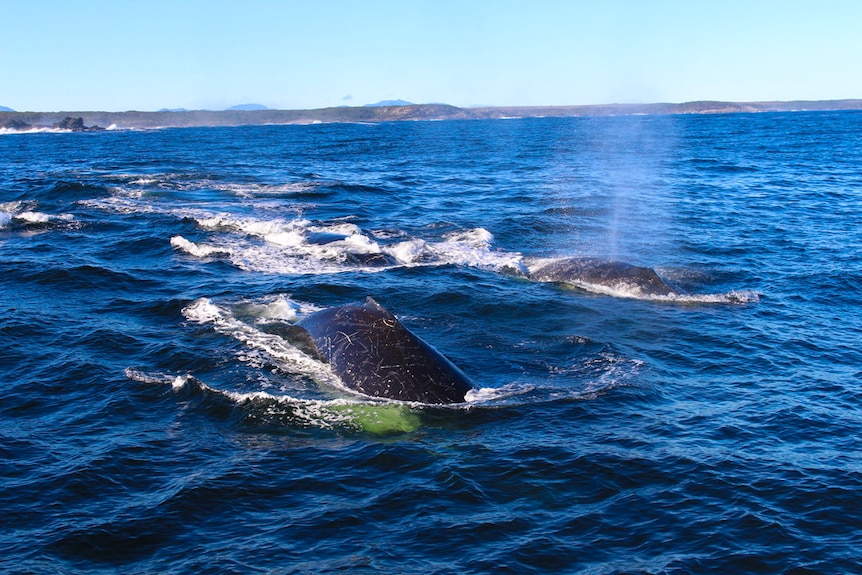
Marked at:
<point>247,107</point>
<point>237,108</point>
<point>390,113</point>
<point>5,109</point>
<point>383,103</point>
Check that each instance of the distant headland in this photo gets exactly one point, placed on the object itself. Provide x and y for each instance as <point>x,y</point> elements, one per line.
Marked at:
<point>259,115</point>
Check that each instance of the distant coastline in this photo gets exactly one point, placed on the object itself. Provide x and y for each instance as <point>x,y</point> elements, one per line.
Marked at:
<point>193,118</point>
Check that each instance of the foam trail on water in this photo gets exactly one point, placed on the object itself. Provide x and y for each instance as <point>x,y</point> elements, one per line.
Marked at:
<point>204,311</point>
<point>300,246</point>
<point>378,418</point>
<point>473,248</point>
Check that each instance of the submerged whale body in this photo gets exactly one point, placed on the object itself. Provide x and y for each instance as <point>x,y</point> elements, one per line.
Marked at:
<point>615,275</point>
<point>375,354</point>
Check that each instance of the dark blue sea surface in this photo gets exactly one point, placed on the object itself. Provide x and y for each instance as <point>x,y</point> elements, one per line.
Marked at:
<point>150,424</point>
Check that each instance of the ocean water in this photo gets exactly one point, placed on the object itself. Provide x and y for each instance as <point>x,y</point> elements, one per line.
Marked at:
<point>150,424</point>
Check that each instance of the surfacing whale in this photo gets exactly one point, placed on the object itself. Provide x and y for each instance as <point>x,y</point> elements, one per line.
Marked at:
<point>375,354</point>
<point>621,276</point>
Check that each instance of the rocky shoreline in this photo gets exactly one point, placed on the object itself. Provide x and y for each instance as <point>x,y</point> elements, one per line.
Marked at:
<point>94,121</point>
<point>68,124</point>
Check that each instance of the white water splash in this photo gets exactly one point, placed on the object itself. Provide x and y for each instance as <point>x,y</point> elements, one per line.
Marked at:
<point>276,348</point>
<point>299,246</point>
<point>19,211</point>
<point>198,250</point>
<point>370,416</point>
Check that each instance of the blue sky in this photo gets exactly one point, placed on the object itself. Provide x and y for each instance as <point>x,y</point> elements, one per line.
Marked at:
<point>121,55</point>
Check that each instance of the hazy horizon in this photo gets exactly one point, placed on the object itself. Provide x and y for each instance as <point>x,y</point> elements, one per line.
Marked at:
<point>105,56</point>
<point>242,107</point>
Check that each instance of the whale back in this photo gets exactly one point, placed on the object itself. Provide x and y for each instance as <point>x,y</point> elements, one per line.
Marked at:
<point>611,274</point>
<point>375,354</point>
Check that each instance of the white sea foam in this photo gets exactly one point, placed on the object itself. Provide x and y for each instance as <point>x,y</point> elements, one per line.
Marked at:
<point>18,211</point>
<point>256,189</point>
<point>279,231</point>
<point>34,130</point>
<point>39,217</point>
<point>121,203</point>
<point>279,307</point>
<point>733,297</point>
<point>623,289</point>
<point>374,416</point>
<point>407,252</point>
<point>494,394</point>
<point>339,227</point>
<point>148,377</point>
<point>180,381</point>
<point>10,207</point>
<point>203,311</point>
<point>288,245</point>
<point>619,289</point>
<point>337,413</point>
<point>33,217</point>
<point>294,246</point>
<point>473,248</point>
<point>144,181</point>
<point>359,244</point>
<point>612,371</point>
<point>298,252</point>
<point>287,239</point>
<point>181,181</point>
<point>198,250</point>
<point>479,237</point>
<point>276,348</point>
<point>4,131</point>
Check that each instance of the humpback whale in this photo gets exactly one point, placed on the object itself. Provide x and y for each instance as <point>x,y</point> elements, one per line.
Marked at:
<point>373,353</point>
<point>598,272</point>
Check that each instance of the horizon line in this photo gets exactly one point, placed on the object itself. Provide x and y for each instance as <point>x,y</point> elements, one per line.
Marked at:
<point>238,107</point>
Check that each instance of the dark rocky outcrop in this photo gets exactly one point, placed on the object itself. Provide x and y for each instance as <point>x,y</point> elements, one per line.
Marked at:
<point>75,125</point>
